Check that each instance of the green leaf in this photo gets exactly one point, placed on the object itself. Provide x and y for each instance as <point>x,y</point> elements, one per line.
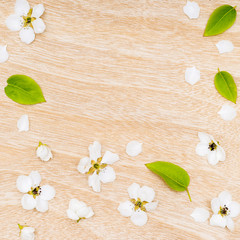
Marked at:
<point>24,90</point>
<point>175,177</point>
<point>226,86</point>
<point>220,20</point>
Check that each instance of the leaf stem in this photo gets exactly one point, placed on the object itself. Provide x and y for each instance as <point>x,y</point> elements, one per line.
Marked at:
<point>189,195</point>
<point>218,70</point>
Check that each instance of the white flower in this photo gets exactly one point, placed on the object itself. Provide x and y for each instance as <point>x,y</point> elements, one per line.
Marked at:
<point>26,233</point>
<point>134,148</point>
<point>97,166</point>
<point>210,148</point>
<point>35,196</point>
<point>44,152</point>
<point>141,200</point>
<point>191,9</point>
<point>3,54</point>
<point>224,210</point>
<point>26,20</point>
<point>23,123</point>
<point>192,75</point>
<point>227,112</point>
<point>78,210</point>
<point>224,46</point>
<point>200,214</point>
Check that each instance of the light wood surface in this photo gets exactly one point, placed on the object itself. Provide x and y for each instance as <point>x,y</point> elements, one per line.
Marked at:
<point>113,71</point>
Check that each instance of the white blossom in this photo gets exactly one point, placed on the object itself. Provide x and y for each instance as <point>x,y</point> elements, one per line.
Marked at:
<point>35,196</point>
<point>23,123</point>
<point>3,54</point>
<point>26,233</point>
<point>26,20</point>
<point>225,46</point>
<point>44,152</point>
<point>200,214</point>
<point>191,9</point>
<point>210,148</point>
<point>227,112</point>
<point>141,201</point>
<point>78,210</point>
<point>224,209</point>
<point>134,148</point>
<point>97,166</point>
<point>192,75</point>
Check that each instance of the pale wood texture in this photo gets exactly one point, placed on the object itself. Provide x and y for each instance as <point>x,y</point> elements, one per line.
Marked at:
<point>113,71</point>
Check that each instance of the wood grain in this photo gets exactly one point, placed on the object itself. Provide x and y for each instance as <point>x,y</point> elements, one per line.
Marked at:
<point>113,71</point>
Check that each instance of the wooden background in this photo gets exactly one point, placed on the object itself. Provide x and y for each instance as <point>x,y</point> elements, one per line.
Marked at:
<point>113,71</point>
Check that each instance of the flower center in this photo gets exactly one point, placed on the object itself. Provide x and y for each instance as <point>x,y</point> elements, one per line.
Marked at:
<point>27,20</point>
<point>223,211</point>
<point>96,166</point>
<point>212,146</point>
<point>139,204</point>
<point>35,191</point>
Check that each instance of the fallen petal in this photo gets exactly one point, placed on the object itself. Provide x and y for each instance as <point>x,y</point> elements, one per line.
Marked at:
<point>224,46</point>
<point>227,112</point>
<point>3,54</point>
<point>192,75</point>
<point>200,214</point>
<point>134,148</point>
<point>23,123</point>
<point>191,9</point>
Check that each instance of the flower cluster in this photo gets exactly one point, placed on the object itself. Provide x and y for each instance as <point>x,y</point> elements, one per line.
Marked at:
<point>26,20</point>
<point>97,166</point>
<point>35,196</point>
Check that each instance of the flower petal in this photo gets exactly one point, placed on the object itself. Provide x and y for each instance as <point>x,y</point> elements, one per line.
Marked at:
<point>227,112</point>
<point>90,213</point>
<point>109,157</point>
<point>200,214</point>
<point>38,10</point>
<point>126,209</point>
<point>28,202</point>
<point>221,155</point>
<point>212,157</point>
<point>47,192</point>
<point>24,183</point>
<point>151,206</point>
<point>139,218</point>
<point>218,220</point>
<point>14,22</point>
<point>225,46</point>
<point>230,224</point>
<point>225,198</point>
<point>215,205</point>
<point>204,137</point>
<point>84,165</point>
<point>94,182</point>
<point>22,7</point>
<point>134,148</point>
<point>107,175</point>
<point>191,9</point>
<point>27,35</point>
<point>133,190</point>
<point>72,215</point>
<point>202,149</point>
<point>3,54</point>
<point>95,150</point>
<point>38,25</point>
<point>42,205</point>
<point>192,75</point>
<point>36,178</point>
<point>234,209</point>
<point>82,212</point>
<point>146,194</point>
<point>75,204</point>
<point>23,123</point>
